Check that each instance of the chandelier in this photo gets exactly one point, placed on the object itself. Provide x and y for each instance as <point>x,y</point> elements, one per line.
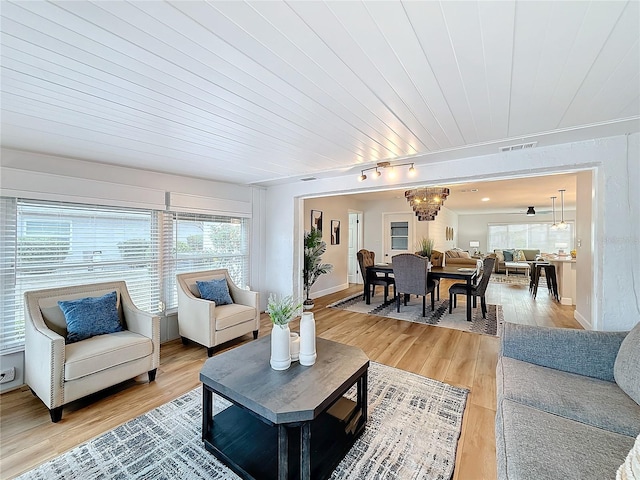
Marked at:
<point>426,201</point>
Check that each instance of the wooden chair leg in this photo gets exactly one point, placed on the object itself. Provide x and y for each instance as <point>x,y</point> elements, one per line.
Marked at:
<point>152,375</point>
<point>255,334</point>
<point>450,303</point>
<point>398,301</point>
<point>433,302</point>
<point>424,304</point>
<point>56,414</point>
<point>483,304</point>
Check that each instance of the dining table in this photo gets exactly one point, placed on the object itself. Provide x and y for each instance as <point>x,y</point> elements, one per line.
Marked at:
<point>469,275</point>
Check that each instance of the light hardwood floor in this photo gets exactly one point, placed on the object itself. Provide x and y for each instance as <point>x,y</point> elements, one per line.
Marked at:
<point>28,438</point>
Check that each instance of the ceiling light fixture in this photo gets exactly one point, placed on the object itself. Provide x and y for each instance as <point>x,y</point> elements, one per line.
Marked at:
<point>554,226</point>
<point>485,199</point>
<point>531,212</point>
<point>392,173</point>
<point>562,225</point>
<point>426,201</point>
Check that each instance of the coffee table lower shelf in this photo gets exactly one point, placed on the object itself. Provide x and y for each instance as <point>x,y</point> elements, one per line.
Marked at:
<point>249,446</point>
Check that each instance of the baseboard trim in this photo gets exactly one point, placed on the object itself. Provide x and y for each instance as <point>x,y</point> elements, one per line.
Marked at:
<point>327,291</point>
<point>582,320</point>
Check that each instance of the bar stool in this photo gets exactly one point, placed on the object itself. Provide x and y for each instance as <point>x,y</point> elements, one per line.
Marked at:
<point>550,275</point>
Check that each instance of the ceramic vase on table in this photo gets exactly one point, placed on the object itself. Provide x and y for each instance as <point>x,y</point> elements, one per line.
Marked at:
<point>280,347</point>
<point>307,355</point>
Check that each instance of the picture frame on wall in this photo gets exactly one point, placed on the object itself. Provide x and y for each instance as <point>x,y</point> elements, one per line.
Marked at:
<point>335,232</point>
<point>316,220</point>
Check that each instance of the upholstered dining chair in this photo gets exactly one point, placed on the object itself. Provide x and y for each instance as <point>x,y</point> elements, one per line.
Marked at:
<point>366,259</point>
<point>412,278</point>
<point>211,323</point>
<point>64,362</point>
<point>476,290</point>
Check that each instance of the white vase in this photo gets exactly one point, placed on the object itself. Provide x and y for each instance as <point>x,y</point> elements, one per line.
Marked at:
<point>307,355</point>
<point>280,347</point>
<point>295,346</point>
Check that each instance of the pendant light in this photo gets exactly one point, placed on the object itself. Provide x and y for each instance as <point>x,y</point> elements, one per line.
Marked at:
<point>553,210</point>
<point>562,225</point>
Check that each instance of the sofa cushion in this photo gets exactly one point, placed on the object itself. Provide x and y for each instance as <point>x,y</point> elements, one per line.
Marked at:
<point>626,370</point>
<point>630,469</point>
<point>519,256</point>
<point>569,395</point>
<point>215,290</point>
<point>104,351</point>
<point>499,255</point>
<point>91,316</point>
<point>530,254</point>
<point>234,314</point>
<point>508,255</point>
<point>532,444</point>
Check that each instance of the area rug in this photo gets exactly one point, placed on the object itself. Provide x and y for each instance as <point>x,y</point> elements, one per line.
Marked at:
<point>412,432</point>
<point>511,279</point>
<point>439,317</point>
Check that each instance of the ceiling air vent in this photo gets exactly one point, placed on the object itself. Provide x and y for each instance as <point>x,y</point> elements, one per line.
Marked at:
<point>521,146</point>
<point>308,179</point>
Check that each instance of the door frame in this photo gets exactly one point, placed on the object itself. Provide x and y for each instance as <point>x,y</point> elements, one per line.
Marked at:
<point>358,243</point>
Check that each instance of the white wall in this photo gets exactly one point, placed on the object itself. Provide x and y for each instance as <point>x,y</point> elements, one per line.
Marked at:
<point>616,197</point>
<point>584,248</point>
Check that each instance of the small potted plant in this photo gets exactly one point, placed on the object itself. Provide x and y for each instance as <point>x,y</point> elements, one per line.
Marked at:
<point>313,267</point>
<point>281,310</point>
<point>425,247</point>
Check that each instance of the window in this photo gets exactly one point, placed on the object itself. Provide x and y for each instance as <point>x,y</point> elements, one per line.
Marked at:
<point>48,244</point>
<point>399,235</point>
<point>202,242</point>
<point>530,235</point>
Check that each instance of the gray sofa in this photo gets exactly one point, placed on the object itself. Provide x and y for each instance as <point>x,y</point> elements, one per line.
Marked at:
<point>529,253</point>
<point>568,402</point>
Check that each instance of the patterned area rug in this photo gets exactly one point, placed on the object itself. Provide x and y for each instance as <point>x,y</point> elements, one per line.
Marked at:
<point>512,279</point>
<point>412,432</point>
<point>439,317</point>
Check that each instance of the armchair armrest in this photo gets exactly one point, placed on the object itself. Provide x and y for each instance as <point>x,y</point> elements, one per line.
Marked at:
<point>244,297</point>
<point>146,324</point>
<point>45,350</point>
<point>583,352</point>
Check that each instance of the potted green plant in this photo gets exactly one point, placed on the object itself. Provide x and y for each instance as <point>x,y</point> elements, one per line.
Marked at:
<point>425,247</point>
<point>313,267</point>
<point>281,310</point>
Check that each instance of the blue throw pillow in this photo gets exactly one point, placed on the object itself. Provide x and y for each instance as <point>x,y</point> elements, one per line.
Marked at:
<point>215,291</point>
<point>87,317</point>
<point>508,255</point>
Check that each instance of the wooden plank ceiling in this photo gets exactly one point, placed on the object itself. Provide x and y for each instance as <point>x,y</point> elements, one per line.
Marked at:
<point>252,92</point>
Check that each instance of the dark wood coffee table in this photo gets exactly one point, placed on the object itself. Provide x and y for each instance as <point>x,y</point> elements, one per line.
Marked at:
<point>291,424</point>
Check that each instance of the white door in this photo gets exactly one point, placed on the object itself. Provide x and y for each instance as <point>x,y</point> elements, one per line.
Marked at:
<point>355,225</point>
<point>398,235</point>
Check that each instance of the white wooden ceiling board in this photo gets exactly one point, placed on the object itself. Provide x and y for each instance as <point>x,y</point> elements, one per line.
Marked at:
<point>623,77</point>
<point>162,123</point>
<point>497,21</point>
<point>631,110</point>
<point>531,26</point>
<point>431,106</point>
<point>431,29</point>
<point>298,86</point>
<point>595,29</point>
<point>394,87</point>
<point>615,51</point>
<point>463,23</point>
<point>563,24</point>
<point>90,149</point>
<point>201,96</point>
<point>317,63</point>
<point>342,84</point>
<point>322,20</point>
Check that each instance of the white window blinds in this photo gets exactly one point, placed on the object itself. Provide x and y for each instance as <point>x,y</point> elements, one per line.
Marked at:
<point>204,242</point>
<point>50,244</point>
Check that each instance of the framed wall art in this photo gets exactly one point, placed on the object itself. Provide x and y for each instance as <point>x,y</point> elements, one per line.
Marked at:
<point>335,232</point>
<point>316,219</point>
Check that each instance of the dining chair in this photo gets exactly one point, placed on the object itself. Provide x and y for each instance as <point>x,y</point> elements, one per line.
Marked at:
<point>367,258</point>
<point>476,290</point>
<point>412,278</point>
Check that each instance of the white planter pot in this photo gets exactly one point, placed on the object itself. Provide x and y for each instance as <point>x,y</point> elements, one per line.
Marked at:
<point>280,347</point>
<point>295,346</point>
<point>307,339</point>
<point>308,306</point>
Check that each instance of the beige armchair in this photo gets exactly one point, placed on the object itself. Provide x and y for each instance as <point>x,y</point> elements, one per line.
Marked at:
<point>59,373</point>
<point>208,324</point>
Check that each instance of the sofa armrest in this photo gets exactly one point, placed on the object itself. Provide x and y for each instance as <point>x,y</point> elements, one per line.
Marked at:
<point>583,352</point>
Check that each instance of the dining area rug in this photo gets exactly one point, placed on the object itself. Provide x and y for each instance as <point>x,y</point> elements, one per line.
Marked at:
<point>440,317</point>
<point>412,432</point>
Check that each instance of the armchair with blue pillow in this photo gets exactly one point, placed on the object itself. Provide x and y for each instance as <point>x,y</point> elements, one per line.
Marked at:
<point>82,339</point>
<point>212,309</point>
